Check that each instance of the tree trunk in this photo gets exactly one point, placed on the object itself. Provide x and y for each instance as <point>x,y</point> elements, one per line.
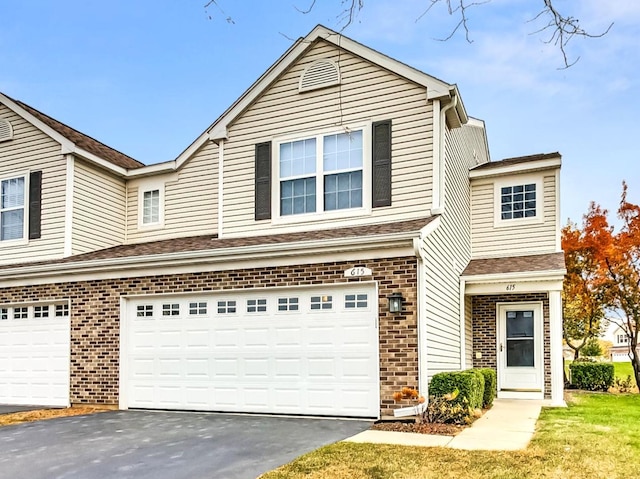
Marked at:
<point>635,359</point>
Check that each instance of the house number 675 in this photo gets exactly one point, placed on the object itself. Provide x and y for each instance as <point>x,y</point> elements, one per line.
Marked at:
<point>511,287</point>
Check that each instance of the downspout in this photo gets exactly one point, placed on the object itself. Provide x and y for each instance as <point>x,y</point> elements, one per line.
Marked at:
<point>437,206</point>
<point>422,360</point>
<point>220,185</point>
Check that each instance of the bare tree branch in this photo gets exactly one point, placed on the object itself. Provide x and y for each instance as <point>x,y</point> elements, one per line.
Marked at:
<point>228,19</point>
<point>563,28</point>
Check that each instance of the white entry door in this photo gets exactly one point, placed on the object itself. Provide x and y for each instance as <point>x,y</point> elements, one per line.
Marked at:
<point>520,348</point>
<point>279,350</point>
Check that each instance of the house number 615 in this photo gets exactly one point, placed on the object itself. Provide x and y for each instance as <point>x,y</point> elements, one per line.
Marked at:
<point>511,287</point>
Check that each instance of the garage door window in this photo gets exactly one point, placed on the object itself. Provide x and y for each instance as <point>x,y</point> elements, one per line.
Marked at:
<point>172,309</point>
<point>226,307</point>
<point>288,304</point>
<point>41,311</point>
<point>352,301</point>
<point>4,314</point>
<point>20,313</point>
<point>256,305</point>
<point>321,302</point>
<point>144,310</point>
<point>198,309</point>
<point>62,310</point>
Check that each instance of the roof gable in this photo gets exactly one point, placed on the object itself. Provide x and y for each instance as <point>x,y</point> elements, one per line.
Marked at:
<point>436,89</point>
<point>72,139</point>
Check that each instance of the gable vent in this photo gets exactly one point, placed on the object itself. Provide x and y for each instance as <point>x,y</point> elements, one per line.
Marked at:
<point>319,74</point>
<point>6,132</point>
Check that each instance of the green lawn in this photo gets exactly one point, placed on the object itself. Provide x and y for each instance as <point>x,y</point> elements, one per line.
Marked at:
<point>597,436</point>
<point>622,370</point>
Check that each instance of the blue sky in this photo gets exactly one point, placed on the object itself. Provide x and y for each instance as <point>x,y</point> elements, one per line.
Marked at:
<point>147,77</point>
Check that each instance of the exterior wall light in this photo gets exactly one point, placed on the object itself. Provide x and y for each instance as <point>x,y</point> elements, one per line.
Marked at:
<point>395,302</point>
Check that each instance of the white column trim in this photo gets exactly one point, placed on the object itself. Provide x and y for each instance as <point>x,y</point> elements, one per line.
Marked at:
<point>68,206</point>
<point>555,333</point>
<point>220,186</point>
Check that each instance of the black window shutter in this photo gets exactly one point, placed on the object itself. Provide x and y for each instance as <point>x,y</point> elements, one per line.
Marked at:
<point>263,181</point>
<point>35,204</point>
<point>381,176</point>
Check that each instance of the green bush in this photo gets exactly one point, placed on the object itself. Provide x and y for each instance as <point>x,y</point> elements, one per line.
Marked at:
<point>490,386</point>
<point>592,348</point>
<point>592,376</point>
<point>470,385</point>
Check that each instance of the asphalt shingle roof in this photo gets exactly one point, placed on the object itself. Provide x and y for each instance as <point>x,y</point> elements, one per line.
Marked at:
<point>515,264</point>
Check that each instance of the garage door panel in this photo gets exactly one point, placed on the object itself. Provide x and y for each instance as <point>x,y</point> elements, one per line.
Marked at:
<point>285,358</point>
<point>34,359</point>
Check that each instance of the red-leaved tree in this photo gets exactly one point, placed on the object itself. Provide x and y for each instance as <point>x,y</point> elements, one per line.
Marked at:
<point>617,254</point>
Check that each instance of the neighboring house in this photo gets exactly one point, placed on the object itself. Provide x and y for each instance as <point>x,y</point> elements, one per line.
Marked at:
<point>255,272</point>
<point>620,350</point>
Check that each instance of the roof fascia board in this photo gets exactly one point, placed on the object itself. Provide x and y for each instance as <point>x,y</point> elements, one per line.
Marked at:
<point>66,145</point>
<point>517,168</point>
<point>155,169</point>
<point>392,240</point>
<point>552,274</point>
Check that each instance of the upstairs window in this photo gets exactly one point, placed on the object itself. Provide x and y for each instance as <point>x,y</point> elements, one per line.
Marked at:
<point>518,201</point>
<point>12,209</point>
<point>150,204</point>
<point>321,173</point>
<point>151,207</point>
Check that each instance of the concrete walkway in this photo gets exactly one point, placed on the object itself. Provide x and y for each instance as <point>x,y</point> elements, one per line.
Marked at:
<point>508,426</point>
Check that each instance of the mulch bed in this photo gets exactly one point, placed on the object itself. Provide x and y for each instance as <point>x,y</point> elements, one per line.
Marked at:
<point>421,428</point>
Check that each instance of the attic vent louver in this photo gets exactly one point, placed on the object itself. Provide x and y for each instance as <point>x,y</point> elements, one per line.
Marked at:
<point>6,132</point>
<point>320,74</point>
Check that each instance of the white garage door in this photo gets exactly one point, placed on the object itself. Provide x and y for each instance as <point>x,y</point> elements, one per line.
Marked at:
<point>280,350</point>
<point>34,354</point>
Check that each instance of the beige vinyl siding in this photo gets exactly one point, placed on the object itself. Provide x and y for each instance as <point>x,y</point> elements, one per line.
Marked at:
<point>367,93</point>
<point>446,253</point>
<point>32,150</point>
<point>98,208</point>
<point>190,200</point>
<point>514,239</point>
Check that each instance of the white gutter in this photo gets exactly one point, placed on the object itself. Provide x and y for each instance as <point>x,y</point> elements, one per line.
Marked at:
<point>439,163</point>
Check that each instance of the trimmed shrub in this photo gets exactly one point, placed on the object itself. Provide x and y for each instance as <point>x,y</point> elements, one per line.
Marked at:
<point>470,385</point>
<point>490,386</point>
<point>592,376</point>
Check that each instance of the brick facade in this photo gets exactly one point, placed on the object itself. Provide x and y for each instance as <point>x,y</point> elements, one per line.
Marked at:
<point>95,317</point>
<point>484,320</point>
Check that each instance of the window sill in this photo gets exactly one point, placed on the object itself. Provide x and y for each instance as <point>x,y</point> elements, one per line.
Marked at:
<point>500,223</point>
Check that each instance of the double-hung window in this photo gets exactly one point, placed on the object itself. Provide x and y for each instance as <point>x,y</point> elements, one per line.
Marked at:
<point>12,208</point>
<point>321,173</point>
<point>151,207</point>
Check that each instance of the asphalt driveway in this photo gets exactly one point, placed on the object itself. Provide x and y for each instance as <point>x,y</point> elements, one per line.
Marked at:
<point>158,445</point>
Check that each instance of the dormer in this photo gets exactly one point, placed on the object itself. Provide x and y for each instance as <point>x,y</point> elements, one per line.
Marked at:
<point>515,206</point>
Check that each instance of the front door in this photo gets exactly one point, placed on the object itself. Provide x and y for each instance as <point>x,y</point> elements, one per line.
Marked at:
<point>520,358</point>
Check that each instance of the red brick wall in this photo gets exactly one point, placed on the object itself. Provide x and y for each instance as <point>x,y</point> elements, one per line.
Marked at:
<point>485,335</point>
<point>95,317</point>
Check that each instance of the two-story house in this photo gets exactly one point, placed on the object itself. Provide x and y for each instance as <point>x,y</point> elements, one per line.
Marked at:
<point>339,232</point>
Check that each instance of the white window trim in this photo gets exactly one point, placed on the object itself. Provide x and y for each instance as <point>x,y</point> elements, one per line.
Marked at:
<point>498,222</point>
<point>318,215</point>
<point>25,216</point>
<point>146,187</point>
